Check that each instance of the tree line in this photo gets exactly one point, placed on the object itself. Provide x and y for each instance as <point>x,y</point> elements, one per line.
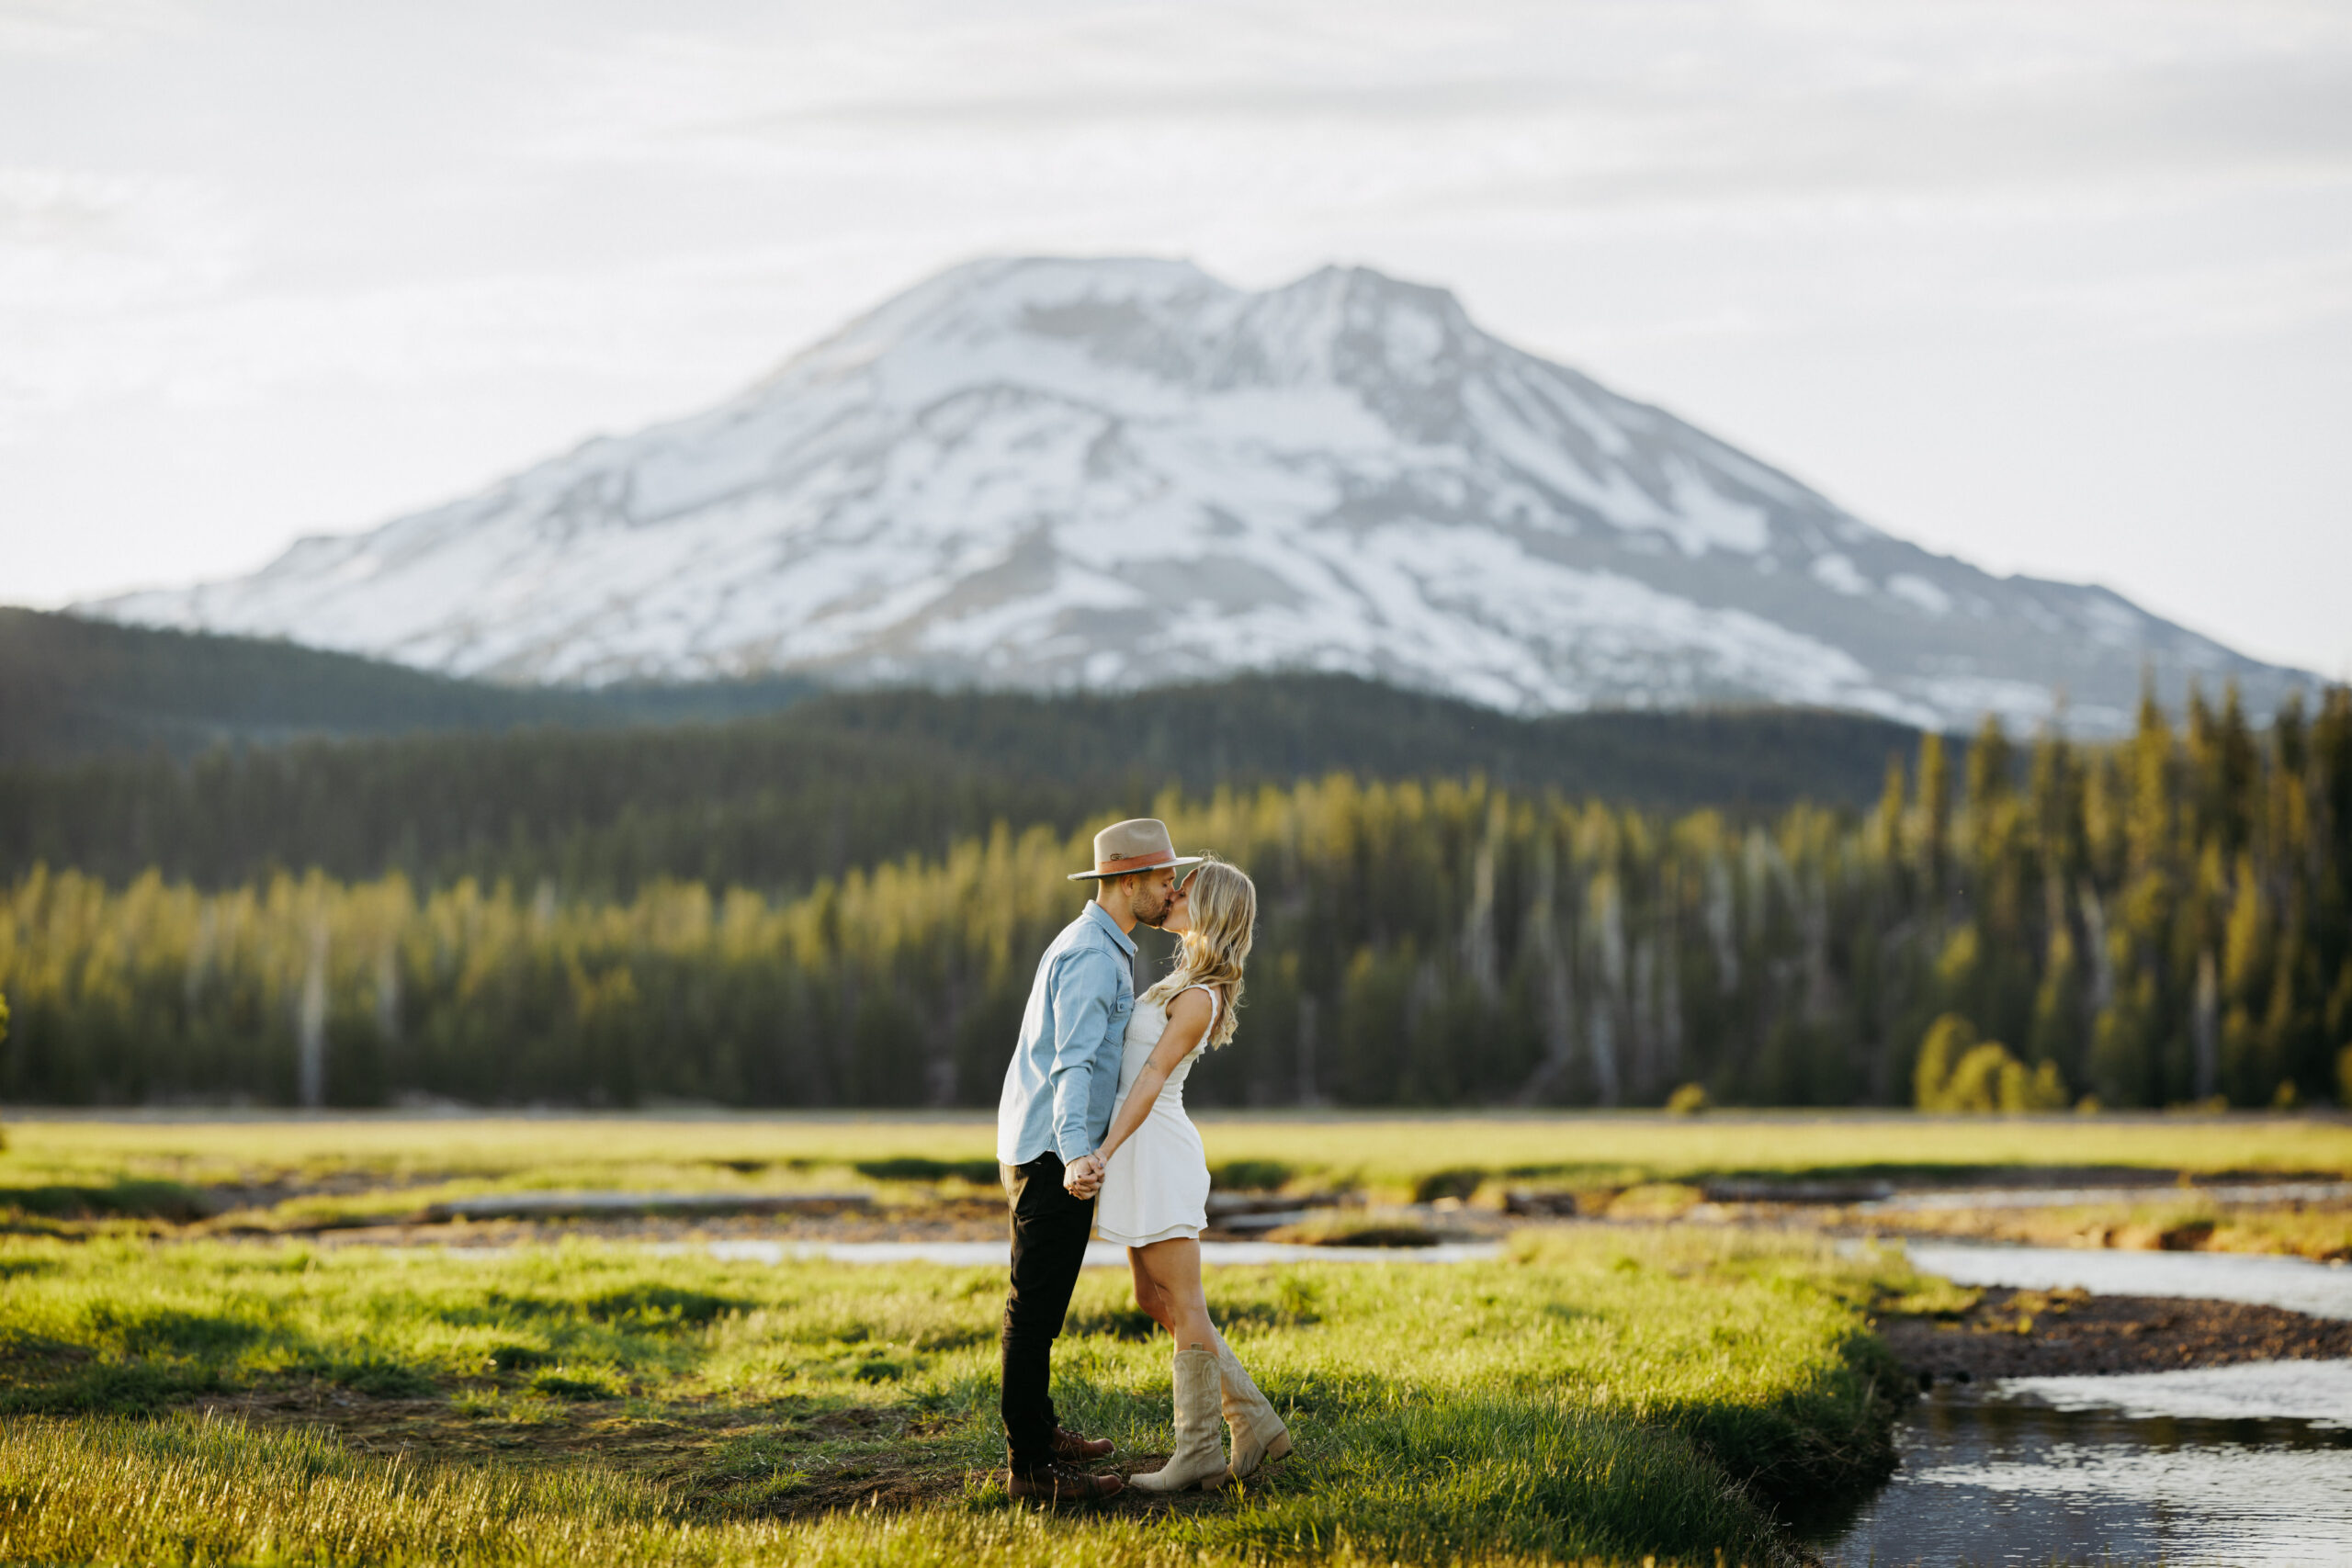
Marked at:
<point>848,779</point>
<point>73,688</point>
<point>2158,921</point>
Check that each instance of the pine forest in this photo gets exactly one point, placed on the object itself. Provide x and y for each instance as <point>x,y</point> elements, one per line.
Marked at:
<point>2014,924</point>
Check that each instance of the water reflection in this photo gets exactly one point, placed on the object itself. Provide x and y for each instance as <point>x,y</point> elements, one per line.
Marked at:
<point>2319,1392</point>
<point>2007,1478</point>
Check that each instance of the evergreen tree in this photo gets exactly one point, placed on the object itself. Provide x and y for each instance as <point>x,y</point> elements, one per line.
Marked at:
<point>2151,927</point>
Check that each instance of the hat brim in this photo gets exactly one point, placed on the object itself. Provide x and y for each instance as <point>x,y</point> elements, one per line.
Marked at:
<point>1163,865</point>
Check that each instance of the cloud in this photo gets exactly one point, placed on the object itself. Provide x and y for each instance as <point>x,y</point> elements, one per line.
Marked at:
<point>84,240</point>
<point>236,206</point>
<point>421,335</point>
<point>56,27</point>
<point>1684,114</point>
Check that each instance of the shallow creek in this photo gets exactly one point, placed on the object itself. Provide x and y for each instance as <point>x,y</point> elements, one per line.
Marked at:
<point>2316,1290</point>
<point>2248,1464</point>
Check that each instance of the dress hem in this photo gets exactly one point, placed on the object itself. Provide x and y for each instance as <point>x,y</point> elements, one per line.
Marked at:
<point>1190,1232</point>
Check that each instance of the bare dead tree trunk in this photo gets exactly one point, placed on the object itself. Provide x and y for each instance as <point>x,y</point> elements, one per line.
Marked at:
<point>2205,1026</point>
<point>311,1022</point>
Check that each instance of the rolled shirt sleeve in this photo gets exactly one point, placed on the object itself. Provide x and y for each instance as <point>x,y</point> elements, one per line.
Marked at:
<point>1086,987</point>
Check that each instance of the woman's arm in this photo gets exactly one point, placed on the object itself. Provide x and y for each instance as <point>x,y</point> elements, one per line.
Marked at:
<point>1188,1020</point>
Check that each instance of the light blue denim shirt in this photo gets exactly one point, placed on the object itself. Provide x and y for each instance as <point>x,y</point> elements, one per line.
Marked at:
<point>1064,1074</point>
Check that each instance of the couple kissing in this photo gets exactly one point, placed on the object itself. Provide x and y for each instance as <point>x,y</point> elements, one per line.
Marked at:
<point>1092,1138</point>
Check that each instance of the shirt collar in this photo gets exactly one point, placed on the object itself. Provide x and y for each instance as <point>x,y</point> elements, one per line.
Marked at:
<point>1126,943</point>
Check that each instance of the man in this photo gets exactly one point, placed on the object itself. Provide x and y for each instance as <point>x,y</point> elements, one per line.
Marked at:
<point>1055,1110</point>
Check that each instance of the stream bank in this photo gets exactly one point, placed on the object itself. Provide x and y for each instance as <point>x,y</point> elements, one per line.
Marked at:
<point>2070,1332</point>
<point>2057,1424</point>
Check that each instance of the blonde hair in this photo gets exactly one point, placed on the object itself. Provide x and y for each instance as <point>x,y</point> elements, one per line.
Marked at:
<point>1224,920</point>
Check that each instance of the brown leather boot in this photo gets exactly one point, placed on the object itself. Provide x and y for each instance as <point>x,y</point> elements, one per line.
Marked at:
<point>1072,1448</point>
<point>1062,1484</point>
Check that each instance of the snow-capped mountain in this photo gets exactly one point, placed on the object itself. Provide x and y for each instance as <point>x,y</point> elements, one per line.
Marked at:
<point>1123,473</point>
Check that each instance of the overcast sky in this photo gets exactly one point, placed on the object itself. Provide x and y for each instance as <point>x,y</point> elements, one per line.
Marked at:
<point>2060,287</point>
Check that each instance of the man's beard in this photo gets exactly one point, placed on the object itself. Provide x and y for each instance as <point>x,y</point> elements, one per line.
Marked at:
<point>1158,917</point>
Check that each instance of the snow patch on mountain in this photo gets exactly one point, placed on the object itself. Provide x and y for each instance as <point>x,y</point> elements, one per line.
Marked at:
<point>1113,473</point>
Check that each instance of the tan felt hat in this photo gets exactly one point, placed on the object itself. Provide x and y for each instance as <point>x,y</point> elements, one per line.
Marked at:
<point>1140,843</point>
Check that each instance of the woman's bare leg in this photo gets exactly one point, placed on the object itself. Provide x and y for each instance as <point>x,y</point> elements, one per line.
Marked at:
<point>1174,1268</point>
<point>1147,1295</point>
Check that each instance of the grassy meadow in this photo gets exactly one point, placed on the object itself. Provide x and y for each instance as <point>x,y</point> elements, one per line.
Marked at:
<point>178,1387</point>
<point>1602,1397</point>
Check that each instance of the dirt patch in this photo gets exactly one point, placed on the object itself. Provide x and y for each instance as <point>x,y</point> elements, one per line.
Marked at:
<point>607,1430</point>
<point>719,1461</point>
<point>882,1483</point>
<point>2010,1334</point>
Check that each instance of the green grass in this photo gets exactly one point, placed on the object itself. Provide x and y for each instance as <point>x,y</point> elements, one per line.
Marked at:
<point>1591,1396</point>
<point>1602,1395</point>
<point>207,1492</point>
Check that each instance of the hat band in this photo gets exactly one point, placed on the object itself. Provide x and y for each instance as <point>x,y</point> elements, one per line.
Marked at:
<point>1125,864</point>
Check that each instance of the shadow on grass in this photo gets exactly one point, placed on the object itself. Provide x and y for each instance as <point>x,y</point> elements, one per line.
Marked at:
<point>139,1361</point>
<point>126,1199</point>
<point>979,1172</point>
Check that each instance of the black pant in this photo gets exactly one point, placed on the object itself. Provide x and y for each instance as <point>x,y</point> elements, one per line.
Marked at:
<point>1049,1232</point>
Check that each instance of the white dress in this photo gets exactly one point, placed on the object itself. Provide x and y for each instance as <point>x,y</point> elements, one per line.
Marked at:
<point>1157,1184</point>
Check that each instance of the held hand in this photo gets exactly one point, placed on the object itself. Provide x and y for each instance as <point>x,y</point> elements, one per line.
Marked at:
<point>1083,1175</point>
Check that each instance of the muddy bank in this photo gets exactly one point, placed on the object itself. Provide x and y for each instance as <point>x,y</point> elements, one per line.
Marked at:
<point>2010,1334</point>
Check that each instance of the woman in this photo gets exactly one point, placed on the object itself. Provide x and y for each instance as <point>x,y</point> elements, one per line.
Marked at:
<point>1155,1192</point>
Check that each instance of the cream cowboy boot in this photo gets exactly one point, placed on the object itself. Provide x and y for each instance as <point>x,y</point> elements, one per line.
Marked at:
<point>1259,1434</point>
<point>1199,1458</point>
